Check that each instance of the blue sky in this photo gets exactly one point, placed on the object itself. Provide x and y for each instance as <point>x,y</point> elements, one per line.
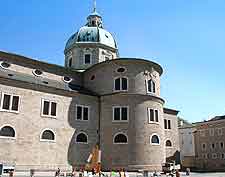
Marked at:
<point>186,37</point>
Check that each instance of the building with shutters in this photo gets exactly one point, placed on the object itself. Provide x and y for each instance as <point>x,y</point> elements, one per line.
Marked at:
<point>52,116</point>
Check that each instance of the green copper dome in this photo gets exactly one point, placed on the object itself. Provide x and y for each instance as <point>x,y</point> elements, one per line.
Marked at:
<point>91,35</point>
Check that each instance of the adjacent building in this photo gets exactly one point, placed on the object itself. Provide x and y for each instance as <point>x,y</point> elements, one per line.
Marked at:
<point>52,116</point>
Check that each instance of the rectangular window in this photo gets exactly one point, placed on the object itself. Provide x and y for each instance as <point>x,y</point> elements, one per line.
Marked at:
<point>10,103</point>
<point>87,59</point>
<point>124,84</point>
<point>120,113</point>
<point>6,102</point>
<point>82,112</point>
<point>85,110</point>
<point>169,124</point>
<point>124,113</point>
<point>46,108</point>
<point>153,115</point>
<point>49,108</point>
<point>220,131</point>
<point>79,113</point>
<point>165,123</point>
<point>53,109</point>
<point>156,116</point>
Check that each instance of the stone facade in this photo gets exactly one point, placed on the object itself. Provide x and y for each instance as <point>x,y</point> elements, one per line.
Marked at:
<point>209,145</point>
<point>114,102</point>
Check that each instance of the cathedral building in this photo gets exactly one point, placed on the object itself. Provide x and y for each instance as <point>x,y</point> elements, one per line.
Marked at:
<point>52,116</point>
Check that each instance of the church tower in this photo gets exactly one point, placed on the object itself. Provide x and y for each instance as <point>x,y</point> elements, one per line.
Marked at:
<point>90,45</point>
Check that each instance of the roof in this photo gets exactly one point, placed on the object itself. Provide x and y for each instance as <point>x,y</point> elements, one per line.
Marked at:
<point>88,34</point>
<point>170,111</point>
<point>29,62</point>
<point>31,79</point>
<point>156,66</point>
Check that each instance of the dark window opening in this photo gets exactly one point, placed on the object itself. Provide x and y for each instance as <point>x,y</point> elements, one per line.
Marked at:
<point>53,109</point>
<point>5,65</point>
<point>117,84</point>
<point>151,86</point>
<point>155,139</point>
<point>92,77</point>
<point>79,113</point>
<point>156,116</point>
<point>81,138</point>
<point>70,62</point>
<point>165,123</point>
<point>6,102</point>
<point>48,135</point>
<point>124,84</point>
<point>46,108</point>
<point>38,72</point>
<point>116,113</point>
<point>7,131</point>
<point>124,114</point>
<point>87,59</point>
<point>15,103</point>
<point>85,109</point>
<point>120,138</point>
<point>66,79</point>
<point>121,70</point>
<point>168,143</point>
<point>151,115</point>
<point>169,124</point>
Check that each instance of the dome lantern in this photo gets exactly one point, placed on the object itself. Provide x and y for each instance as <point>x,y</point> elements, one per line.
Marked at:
<point>92,42</point>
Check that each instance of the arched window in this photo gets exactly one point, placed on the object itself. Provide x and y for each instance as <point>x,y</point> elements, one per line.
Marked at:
<point>82,138</point>
<point>168,143</point>
<point>48,135</point>
<point>7,131</point>
<point>155,139</point>
<point>121,84</point>
<point>120,139</point>
<point>151,86</point>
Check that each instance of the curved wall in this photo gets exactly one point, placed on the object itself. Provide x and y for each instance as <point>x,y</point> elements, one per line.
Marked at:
<point>137,71</point>
<point>139,153</point>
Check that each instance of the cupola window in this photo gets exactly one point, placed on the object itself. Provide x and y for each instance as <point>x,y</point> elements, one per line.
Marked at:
<point>70,62</point>
<point>87,59</point>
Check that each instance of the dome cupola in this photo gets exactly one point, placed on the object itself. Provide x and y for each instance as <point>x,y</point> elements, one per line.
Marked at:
<point>92,39</point>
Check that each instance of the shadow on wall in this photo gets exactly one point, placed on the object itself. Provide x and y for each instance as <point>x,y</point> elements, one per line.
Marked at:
<point>175,157</point>
<point>76,152</point>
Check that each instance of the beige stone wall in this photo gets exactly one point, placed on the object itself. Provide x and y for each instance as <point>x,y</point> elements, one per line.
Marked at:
<point>208,133</point>
<point>137,73</point>
<point>27,151</point>
<point>138,153</point>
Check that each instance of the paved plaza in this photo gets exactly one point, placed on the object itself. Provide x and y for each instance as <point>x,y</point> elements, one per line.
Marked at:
<point>182,174</point>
